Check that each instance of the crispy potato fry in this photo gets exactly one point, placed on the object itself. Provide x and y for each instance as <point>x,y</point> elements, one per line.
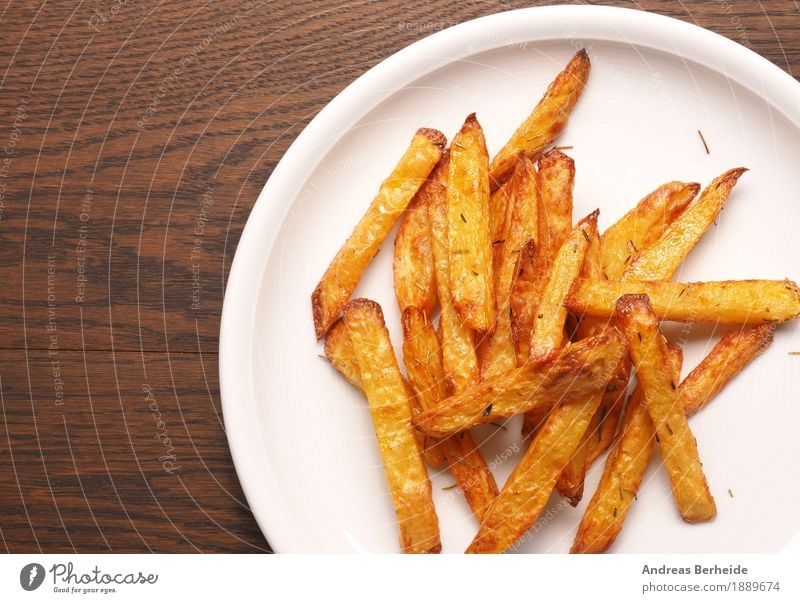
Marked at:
<point>627,461</point>
<point>521,224</point>
<point>555,179</point>
<point>529,486</point>
<point>498,206</point>
<point>459,359</point>
<point>648,348</point>
<point>583,370</point>
<point>661,260</point>
<point>547,336</point>
<point>736,349</point>
<point>468,236</point>
<point>625,466</point>
<point>408,481</point>
<point>723,302</point>
<point>642,226</point>
<point>413,267</point>
<point>526,292</point>
<point>547,121</point>
<point>423,361</point>
<point>339,351</point>
<point>346,269</point>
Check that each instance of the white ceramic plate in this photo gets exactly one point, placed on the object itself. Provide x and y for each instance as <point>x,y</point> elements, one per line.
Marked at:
<point>302,438</point>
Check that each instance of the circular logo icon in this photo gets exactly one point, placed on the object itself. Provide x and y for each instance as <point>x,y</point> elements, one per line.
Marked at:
<point>31,576</point>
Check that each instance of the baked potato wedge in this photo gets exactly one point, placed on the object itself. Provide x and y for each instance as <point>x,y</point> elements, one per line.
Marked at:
<point>468,236</point>
<point>459,360</point>
<point>521,227</point>
<point>345,271</point>
<point>409,485</point>
<point>643,225</point>
<point>723,302</point>
<point>547,121</point>
<point>413,266</point>
<point>648,349</point>
<point>662,259</point>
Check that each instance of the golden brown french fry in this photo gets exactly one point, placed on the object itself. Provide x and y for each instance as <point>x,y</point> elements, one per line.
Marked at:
<point>547,121</point>
<point>469,239</point>
<point>408,481</point>
<point>584,369</point>
<point>603,425</point>
<point>413,267</point>
<point>498,206</point>
<point>660,260</point>
<point>339,351</point>
<point>459,359</point>
<point>737,348</point>
<point>547,336</point>
<point>529,486</point>
<point>648,348</point>
<point>521,224</point>
<point>423,361</point>
<point>723,302</point>
<point>555,179</point>
<point>526,292</point>
<point>627,461</point>
<point>625,466</point>
<point>642,226</point>
<point>344,272</point>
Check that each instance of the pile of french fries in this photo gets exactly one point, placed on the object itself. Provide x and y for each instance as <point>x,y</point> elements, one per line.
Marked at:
<point>536,316</point>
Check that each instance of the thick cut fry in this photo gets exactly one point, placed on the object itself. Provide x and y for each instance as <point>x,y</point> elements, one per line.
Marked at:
<point>627,461</point>
<point>498,206</point>
<point>413,267</point>
<point>339,351</point>
<point>423,361</point>
<point>723,302</point>
<point>547,337</point>
<point>526,292</point>
<point>346,269</point>
<point>648,349</point>
<point>521,226</point>
<point>733,352</point>
<point>662,258</point>
<point>622,475</point>
<point>408,481</point>
<point>547,121</point>
<point>458,341</point>
<point>529,486</point>
<point>642,226</point>
<point>555,180</point>
<point>469,239</point>
<point>583,370</point>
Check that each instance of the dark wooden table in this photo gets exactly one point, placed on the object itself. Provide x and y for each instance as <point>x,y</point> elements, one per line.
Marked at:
<point>136,137</point>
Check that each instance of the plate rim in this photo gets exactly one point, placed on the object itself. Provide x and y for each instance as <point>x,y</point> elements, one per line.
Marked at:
<point>639,28</point>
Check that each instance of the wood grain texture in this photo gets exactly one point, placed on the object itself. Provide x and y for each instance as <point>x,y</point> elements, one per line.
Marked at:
<point>135,141</point>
